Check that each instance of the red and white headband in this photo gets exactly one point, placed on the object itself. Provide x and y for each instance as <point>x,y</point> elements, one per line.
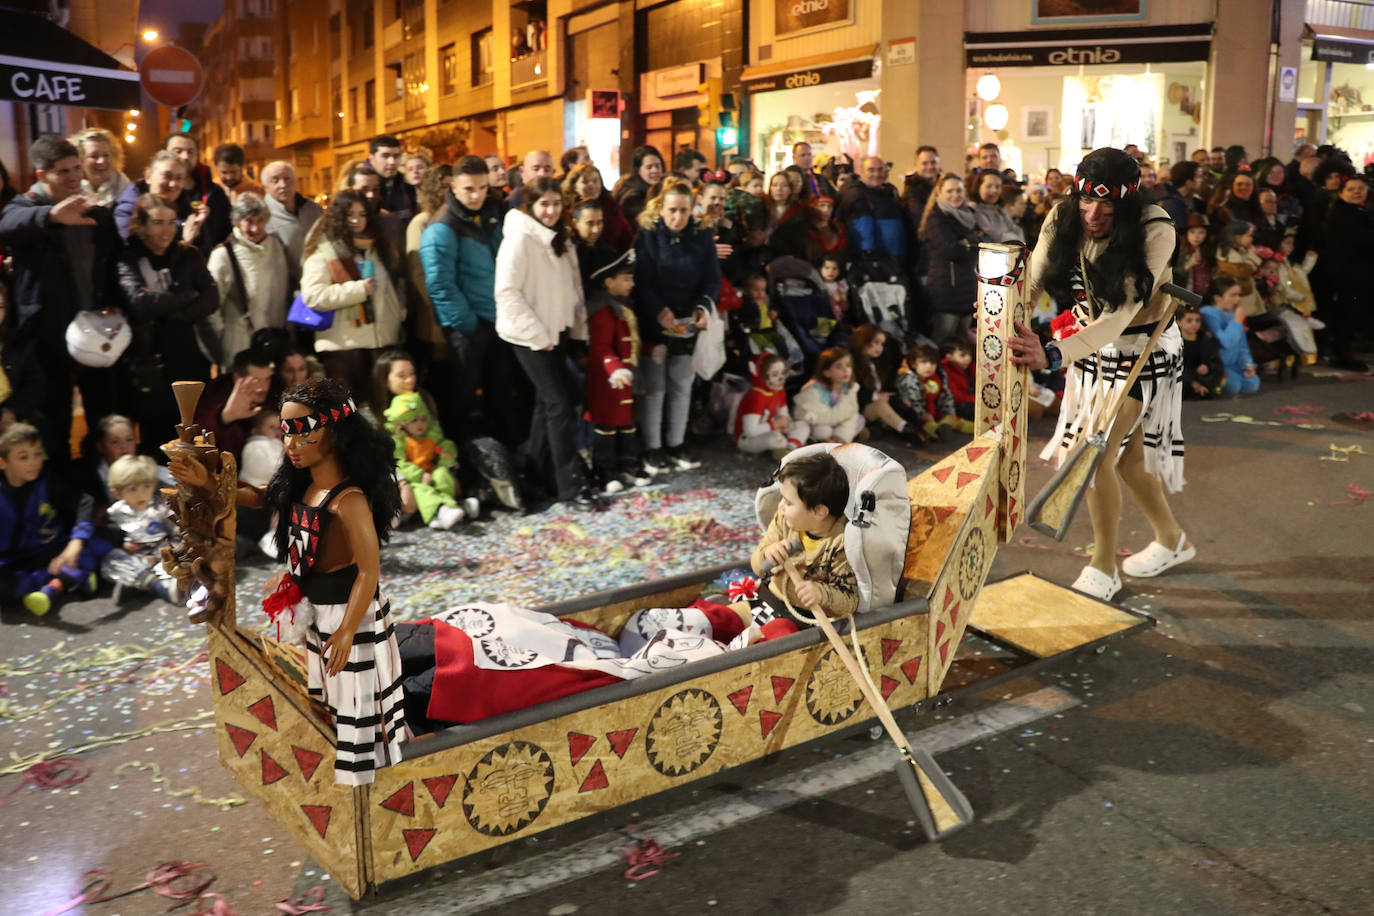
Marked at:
<point>296,426</point>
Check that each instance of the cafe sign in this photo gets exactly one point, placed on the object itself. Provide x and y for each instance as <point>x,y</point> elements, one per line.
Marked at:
<point>792,17</point>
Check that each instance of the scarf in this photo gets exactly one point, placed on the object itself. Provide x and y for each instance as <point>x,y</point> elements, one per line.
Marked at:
<point>341,270</point>
<point>962,215</point>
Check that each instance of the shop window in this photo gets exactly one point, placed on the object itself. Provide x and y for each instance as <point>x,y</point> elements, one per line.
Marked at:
<point>448,69</point>
<point>482,66</point>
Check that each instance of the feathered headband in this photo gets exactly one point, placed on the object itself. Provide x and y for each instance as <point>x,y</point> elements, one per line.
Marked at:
<point>296,426</point>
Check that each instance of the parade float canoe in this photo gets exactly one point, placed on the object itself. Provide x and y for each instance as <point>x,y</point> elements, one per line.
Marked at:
<point>469,788</point>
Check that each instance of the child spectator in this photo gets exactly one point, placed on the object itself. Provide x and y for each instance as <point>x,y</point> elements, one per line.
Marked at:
<point>1226,326</point>
<point>394,373</point>
<point>46,527</point>
<point>263,450</point>
<point>1194,262</point>
<point>810,516</point>
<point>112,439</point>
<point>828,405</point>
<point>745,207</point>
<point>588,224</point>
<point>427,461</point>
<point>143,520</point>
<point>878,402</point>
<point>1203,372</point>
<point>762,421</point>
<point>832,275</point>
<point>922,382</point>
<point>1237,259</point>
<point>612,357</point>
<point>958,369</point>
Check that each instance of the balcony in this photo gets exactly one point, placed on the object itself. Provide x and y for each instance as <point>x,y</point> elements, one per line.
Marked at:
<point>303,130</point>
<point>532,68</point>
<point>258,111</point>
<point>395,111</point>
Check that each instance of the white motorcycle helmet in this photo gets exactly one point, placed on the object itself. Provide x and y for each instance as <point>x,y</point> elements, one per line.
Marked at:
<point>98,339</point>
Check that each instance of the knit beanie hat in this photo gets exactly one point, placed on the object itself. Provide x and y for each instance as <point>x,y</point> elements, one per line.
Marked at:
<point>1107,174</point>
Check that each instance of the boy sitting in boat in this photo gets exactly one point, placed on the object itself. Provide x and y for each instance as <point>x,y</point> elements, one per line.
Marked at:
<point>806,536</point>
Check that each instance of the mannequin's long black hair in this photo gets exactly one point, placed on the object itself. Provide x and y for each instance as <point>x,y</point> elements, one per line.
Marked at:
<point>366,454</point>
<point>1124,256</point>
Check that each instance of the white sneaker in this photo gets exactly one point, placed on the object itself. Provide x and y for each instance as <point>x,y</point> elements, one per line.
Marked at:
<point>1097,584</point>
<point>1156,558</point>
<point>446,518</point>
<point>613,486</point>
<point>472,507</point>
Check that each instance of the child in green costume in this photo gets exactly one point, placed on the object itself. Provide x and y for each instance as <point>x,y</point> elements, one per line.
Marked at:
<point>427,461</point>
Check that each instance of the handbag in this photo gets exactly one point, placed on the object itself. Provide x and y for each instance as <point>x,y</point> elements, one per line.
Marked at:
<point>303,316</point>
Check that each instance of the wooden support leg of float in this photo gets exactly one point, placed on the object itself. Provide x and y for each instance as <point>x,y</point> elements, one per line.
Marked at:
<point>1001,398</point>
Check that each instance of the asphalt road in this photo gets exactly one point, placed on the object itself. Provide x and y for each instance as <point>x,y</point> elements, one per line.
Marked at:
<point>1217,764</point>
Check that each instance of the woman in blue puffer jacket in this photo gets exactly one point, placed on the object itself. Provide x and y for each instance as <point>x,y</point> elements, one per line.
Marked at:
<point>677,281</point>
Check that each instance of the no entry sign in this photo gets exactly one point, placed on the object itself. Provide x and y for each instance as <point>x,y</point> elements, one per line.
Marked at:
<point>171,76</point>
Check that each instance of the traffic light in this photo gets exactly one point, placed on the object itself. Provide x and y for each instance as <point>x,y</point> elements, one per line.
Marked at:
<point>718,112</point>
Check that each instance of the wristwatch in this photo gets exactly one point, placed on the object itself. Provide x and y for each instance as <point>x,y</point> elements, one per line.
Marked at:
<point>1052,354</point>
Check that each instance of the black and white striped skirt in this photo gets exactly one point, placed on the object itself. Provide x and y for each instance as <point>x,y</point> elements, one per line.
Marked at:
<point>1092,384</point>
<point>366,696</point>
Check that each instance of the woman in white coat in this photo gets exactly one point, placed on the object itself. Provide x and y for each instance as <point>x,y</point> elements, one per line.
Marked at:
<point>250,271</point>
<point>539,308</point>
<point>347,272</point>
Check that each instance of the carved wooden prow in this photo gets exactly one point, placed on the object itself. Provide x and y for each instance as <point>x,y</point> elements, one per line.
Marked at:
<point>204,510</point>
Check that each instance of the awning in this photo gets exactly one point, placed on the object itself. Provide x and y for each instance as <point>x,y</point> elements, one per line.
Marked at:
<point>854,63</point>
<point>1341,45</point>
<point>1072,47</point>
<point>42,63</point>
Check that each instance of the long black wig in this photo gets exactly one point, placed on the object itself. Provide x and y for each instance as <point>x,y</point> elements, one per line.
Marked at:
<point>366,454</point>
<point>1124,255</point>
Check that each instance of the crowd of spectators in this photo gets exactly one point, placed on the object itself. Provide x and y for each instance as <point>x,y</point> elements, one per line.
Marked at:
<point>820,302</point>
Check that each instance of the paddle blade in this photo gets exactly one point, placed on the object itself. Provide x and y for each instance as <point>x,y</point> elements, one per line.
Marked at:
<point>1052,509</point>
<point>940,808</point>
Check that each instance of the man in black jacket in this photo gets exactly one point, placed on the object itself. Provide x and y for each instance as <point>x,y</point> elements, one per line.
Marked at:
<point>1176,194</point>
<point>204,191</point>
<point>65,248</point>
<point>397,197</point>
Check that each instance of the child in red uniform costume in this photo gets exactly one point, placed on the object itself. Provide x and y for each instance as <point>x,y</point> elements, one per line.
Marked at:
<point>613,354</point>
<point>958,367</point>
<point>762,420</point>
<point>922,382</point>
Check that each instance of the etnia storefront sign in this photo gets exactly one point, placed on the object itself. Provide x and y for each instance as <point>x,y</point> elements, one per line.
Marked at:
<point>1086,47</point>
<point>793,16</point>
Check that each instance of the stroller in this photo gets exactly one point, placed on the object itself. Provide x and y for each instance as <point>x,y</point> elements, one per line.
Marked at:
<point>799,295</point>
<point>883,298</point>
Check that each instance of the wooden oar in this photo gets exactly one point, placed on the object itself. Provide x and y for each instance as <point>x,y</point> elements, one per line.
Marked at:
<point>940,808</point>
<point>1052,509</point>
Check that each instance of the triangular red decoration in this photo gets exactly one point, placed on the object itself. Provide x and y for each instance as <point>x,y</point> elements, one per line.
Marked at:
<point>314,542</point>
<point>620,740</point>
<point>949,596</point>
<point>241,738</point>
<point>402,801</point>
<point>319,816</point>
<point>974,452</point>
<point>890,647</point>
<point>578,745</point>
<point>1011,503</point>
<point>228,678</point>
<point>888,685</point>
<point>1015,444</point>
<point>265,712</point>
<point>271,770</point>
<point>1014,521</point>
<point>596,779</point>
<point>943,512</point>
<point>740,698</point>
<point>942,474</point>
<point>780,687</point>
<point>335,413</point>
<point>987,510</point>
<point>954,615</point>
<point>439,787</point>
<point>308,761</point>
<point>939,629</point>
<point>944,651</point>
<point>910,667</point>
<point>417,840</point>
<point>768,721</point>
<point>315,522</point>
<point>295,515</point>
<point>965,478</point>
